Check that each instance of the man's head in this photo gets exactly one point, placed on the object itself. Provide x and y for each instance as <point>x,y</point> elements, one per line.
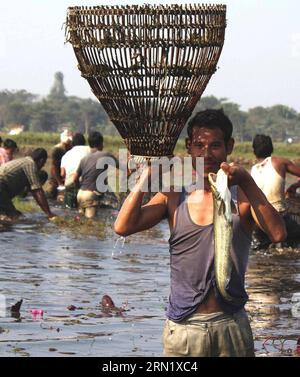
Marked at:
<point>11,147</point>
<point>39,156</point>
<point>95,140</point>
<point>262,146</point>
<point>78,139</point>
<point>66,139</point>
<point>210,137</point>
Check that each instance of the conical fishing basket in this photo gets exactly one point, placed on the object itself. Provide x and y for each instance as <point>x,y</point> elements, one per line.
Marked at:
<point>148,66</point>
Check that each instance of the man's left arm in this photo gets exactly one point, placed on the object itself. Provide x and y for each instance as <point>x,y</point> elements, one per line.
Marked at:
<point>295,170</point>
<point>292,168</point>
<point>263,213</point>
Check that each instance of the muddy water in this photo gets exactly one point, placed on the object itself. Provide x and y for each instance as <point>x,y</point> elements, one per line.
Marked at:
<point>51,269</point>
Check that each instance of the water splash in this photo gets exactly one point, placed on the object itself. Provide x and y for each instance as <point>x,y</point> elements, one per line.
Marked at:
<point>119,245</point>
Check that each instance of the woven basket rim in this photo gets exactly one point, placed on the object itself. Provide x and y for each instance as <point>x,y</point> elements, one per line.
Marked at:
<point>151,7</point>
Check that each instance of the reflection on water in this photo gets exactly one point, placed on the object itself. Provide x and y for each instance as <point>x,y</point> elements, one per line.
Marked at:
<point>66,277</point>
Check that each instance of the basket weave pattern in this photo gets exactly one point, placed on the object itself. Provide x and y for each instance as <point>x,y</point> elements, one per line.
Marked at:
<point>147,65</point>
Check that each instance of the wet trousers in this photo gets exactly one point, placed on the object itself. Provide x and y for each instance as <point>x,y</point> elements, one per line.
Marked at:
<point>209,335</point>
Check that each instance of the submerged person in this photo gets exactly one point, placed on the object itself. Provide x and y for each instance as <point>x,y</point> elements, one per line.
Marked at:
<point>88,196</point>
<point>56,180</point>
<point>199,321</point>
<point>18,174</point>
<point>8,150</point>
<point>269,173</point>
<point>292,189</point>
<point>69,165</point>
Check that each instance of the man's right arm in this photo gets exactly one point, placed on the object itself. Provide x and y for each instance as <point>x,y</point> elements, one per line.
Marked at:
<point>133,217</point>
<point>41,200</point>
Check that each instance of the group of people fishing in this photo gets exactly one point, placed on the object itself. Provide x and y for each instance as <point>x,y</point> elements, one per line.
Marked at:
<point>200,320</point>
<point>72,171</point>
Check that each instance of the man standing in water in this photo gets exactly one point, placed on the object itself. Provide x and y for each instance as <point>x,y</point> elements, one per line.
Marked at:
<point>199,321</point>
<point>269,173</point>
<point>88,196</point>
<point>56,180</point>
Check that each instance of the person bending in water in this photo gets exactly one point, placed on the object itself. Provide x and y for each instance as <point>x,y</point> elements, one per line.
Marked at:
<point>199,321</point>
<point>269,173</point>
<point>18,174</point>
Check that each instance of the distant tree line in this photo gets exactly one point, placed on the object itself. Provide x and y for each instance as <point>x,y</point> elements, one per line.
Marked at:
<point>52,113</point>
<point>279,121</point>
<point>57,110</point>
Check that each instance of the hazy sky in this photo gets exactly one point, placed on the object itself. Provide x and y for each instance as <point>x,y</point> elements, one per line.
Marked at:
<point>259,65</point>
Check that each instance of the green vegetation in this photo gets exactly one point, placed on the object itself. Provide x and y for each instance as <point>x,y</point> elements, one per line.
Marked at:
<point>78,226</point>
<point>57,111</point>
<point>279,121</point>
<point>29,140</point>
<point>35,139</point>
<point>26,206</point>
<point>52,113</point>
<point>243,151</point>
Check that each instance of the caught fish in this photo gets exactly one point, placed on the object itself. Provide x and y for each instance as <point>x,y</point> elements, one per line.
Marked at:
<point>222,217</point>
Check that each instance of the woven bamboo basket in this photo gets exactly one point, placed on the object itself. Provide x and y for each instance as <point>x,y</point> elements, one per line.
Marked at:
<point>148,66</point>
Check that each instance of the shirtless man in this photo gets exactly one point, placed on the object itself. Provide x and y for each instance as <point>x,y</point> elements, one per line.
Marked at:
<point>199,321</point>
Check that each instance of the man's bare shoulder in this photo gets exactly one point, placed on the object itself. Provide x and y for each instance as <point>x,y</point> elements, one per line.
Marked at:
<point>281,164</point>
<point>279,161</point>
<point>168,197</point>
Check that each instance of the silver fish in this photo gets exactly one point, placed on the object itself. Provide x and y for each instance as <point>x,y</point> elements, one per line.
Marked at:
<point>222,217</point>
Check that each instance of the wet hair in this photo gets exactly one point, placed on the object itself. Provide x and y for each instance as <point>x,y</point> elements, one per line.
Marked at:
<point>39,154</point>
<point>10,144</point>
<point>262,146</point>
<point>78,139</point>
<point>211,118</point>
<point>95,139</point>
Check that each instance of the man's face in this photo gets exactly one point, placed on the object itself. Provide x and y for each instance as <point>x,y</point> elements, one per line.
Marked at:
<point>68,145</point>
<point>210,145</point>
<point>10,153</point>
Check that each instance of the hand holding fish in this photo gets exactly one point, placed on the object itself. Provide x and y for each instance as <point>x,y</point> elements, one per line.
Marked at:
<point>237,175</point>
